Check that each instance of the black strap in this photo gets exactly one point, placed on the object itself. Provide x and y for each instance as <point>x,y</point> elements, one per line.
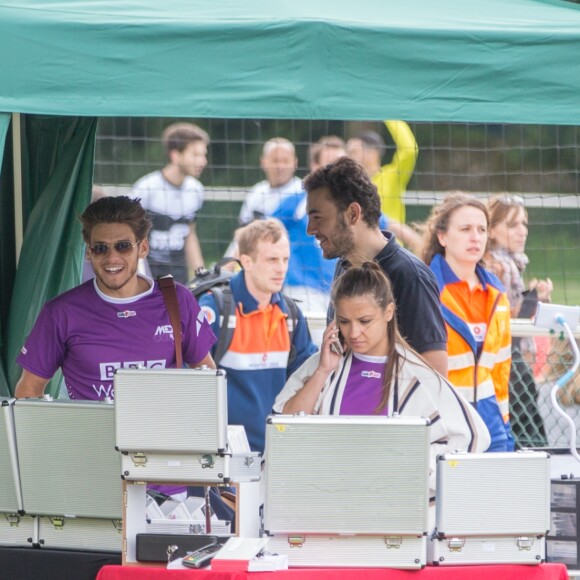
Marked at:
<point>396,396</point>
<point>167,287</point>
<point>292,308</point>
<point>335,394</point>
<point>225,307</point>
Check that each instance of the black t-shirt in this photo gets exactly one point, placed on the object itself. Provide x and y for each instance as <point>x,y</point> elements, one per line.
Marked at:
<point>416,297</point>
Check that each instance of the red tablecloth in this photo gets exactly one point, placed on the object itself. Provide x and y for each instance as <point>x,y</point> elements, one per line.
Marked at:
<point>499,572</point>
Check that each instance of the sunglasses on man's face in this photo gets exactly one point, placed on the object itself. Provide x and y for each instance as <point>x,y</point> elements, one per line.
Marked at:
<point>123,248</point>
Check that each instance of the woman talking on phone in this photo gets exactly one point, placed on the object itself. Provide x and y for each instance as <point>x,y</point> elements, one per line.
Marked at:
<point>476,311</point>
<point>378,373</point>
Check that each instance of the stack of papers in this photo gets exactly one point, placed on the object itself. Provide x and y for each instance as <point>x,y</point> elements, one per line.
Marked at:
<point>248,554</point>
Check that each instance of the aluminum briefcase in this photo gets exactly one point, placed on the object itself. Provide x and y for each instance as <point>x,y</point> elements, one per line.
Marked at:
<point>70,471</point>
<point>190,468</point>
<point>491,508</point>
<point>347,491</point>
<point>171,410</point>
<point>171,426</point>
<point>563,541</point>
<point>16,528</point>
<point>80,533</point>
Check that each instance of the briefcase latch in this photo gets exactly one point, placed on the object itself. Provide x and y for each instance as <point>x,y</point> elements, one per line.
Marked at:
<point>525,543</point>
<point>456,544</point>
<point>57,522</point>
<point>206,461</point>
<point>296,541</point>
<point>393,542</point>
<point>139,459</point>
<point>13,520</point>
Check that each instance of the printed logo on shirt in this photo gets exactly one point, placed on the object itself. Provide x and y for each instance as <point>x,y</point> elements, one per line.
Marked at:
<point>104,391</point>
<point>126,314</point>
<point>164,333</point>
<point>209,314</point>
<point>108,369</point>
<point>370,375</point>
<point>23,350</point>
<point>478,330</point>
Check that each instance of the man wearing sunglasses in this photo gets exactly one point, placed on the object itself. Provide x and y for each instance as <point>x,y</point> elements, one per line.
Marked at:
<point>116,320</point>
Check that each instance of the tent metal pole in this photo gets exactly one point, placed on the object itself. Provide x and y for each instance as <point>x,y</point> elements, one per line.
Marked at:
<point>18,211</point>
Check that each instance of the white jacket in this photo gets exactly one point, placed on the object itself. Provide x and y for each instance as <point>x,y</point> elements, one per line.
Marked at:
<point>418,391</point>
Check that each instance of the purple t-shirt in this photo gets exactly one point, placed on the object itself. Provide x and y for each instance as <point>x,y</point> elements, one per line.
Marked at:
<point>90,335</point>
<point>364,385</point>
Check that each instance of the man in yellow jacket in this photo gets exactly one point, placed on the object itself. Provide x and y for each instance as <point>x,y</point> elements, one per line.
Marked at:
<point>391,179</point>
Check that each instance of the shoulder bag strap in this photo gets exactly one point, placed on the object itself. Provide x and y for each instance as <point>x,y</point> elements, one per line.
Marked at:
<point>167,287</point>
<point>227,308</point>
<point>292,308</point>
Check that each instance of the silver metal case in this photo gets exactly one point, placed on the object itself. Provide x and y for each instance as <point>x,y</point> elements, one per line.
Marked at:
<point>347,491</point>
<point>81,533</point>
<point>171,426</point>
<point>16,528</point>
<point>68,463</point>
<point>491,508</point>
<point>563,541</point>
<point>10,491</point>
<point>175,411</point>
<point>190,468</point>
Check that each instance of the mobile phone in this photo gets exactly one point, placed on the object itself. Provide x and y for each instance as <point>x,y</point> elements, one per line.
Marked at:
<point>201,557</point>
<point>336,345</point>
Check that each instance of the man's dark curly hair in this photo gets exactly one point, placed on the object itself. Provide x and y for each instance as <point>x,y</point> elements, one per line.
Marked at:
<point>348,183</point>
<point>116,210</point>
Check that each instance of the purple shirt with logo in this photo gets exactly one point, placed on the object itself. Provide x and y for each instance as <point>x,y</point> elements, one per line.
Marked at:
<point>90,335</point>
<point>364,385</point>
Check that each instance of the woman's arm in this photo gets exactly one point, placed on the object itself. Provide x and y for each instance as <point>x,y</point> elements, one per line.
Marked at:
<point>305,400</point>
<point>302,391</point>
<point>295,383</point>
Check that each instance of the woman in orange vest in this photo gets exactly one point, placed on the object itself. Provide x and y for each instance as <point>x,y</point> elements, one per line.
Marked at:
<point>476,311</point>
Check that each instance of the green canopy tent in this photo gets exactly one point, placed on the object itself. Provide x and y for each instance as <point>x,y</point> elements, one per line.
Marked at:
<point>439,60</point>
<point>67,63</point>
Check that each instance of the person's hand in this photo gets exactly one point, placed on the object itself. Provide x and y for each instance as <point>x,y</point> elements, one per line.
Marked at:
<point>330,349</point>
<point>543,288</point>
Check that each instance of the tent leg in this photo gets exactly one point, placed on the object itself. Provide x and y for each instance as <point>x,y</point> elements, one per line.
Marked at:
<point>18,210</point>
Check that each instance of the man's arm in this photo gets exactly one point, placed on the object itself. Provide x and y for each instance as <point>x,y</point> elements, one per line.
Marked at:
<point>206,361</point>
<point>437,359</point>
<point>394,176</point>
<point>406,150</point>
<point>193,255</point>
<point>30,386</point>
